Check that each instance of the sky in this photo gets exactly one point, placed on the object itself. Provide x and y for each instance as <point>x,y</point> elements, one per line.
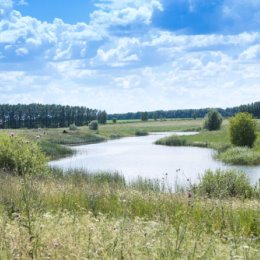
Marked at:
<point>130,55</point>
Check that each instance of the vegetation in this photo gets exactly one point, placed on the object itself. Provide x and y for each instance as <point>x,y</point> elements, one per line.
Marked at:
<point>141,132</point>
<point>223,184</point>
<point>93,125</point>
<point>37,115</point>
<point>243,130</point>
<point>77,216</point>
<point>253,108</point>
<point>213,120</point>
<point>239,156</point>
<point>144,116</point>
<point>102,117</point>
<point>220,141</point>
<point>18,156</point>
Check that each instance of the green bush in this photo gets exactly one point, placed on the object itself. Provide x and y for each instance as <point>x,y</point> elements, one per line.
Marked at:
<point>242,130</point>
<point>93,125</point>
<point>172,141</point>
<point>213,120</point>
<point>20,157</point>
<point>239,156</point>
<point>141,132</point>
<point>224,183</point>
<point>73,127</point>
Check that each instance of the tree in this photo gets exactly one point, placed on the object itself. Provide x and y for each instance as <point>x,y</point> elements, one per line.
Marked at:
<point>242,129</point>
<point>213,120</point>
<point>102,117</point>
<point>144,116</point>
<point>155,116</point>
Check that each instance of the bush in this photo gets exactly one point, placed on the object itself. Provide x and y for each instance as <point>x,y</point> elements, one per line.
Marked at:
<point>73,127</point>
<point>242,129</point>
<point>213,120</point>
<point>239,156</point>
<point>172,141</point>
<point>222,184</point>
<point>93,125</point>
<point>20,157</point>
<point>141,132</point>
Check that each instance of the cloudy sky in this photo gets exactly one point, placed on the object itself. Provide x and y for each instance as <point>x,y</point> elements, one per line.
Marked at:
<point>130,55</point>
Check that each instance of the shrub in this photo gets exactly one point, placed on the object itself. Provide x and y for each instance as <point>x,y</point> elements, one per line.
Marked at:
<point>20,157</point>
<point>73,127</point>
<point>213,120</point>
<point>141,132</point>
<point>114,120</point>
<point>224,183</point>
<point>242,129</point>
<point>239,156</point>
<point>172,141</point>
<point>93,125</point>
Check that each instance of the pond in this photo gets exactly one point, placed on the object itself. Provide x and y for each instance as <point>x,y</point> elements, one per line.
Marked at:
<point>139,156</point>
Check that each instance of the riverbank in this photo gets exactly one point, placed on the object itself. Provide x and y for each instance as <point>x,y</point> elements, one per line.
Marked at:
<point>219,141</point>
<point>85,216</point>
<point>56,142</point>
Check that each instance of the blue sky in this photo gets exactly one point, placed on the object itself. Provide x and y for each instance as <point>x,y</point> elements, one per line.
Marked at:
<point>126,55</point>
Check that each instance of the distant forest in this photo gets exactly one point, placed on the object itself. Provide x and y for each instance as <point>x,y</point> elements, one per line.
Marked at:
<point>37,115</point>
<point>253,108</point>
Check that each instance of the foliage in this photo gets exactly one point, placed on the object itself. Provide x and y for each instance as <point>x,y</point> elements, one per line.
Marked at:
<point>20,157</point>
<point>172,141</point>
<point>140,132</point>
<point>54,150</point>
<point>37,115</point>
<point>155,116</point>
<point>144,116</point>
<point>102,117</point>
<point>223,184</point>
<point>243,130</point>
<point>73,127</point>
<point>114,120</point>
<point>239,156</point>
<point>93,125</point>
<point>213,120</point>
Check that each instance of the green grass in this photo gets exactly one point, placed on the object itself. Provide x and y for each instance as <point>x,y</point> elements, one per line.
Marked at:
<point>239,156</point>
<point>55,151</point>
<point>75,215</point>
<point>218,140</point>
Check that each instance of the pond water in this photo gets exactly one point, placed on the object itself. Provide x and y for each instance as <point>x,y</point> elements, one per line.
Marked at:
<point>139,156</point>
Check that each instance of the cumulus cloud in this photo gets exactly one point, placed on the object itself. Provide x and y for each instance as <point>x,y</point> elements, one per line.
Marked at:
<point>122,13</point>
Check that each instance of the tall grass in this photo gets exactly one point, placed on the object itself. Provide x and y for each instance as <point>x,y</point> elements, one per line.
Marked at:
<point>75,215</point>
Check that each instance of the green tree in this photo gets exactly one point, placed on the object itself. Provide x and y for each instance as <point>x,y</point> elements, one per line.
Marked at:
<point>155,116</point>
<point>144,116</point>
<point>242,129</point>
<point>102,117</point>
<point>213,120</point>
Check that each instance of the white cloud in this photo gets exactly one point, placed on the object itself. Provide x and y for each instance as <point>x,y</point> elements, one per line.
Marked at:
<point>122,13</point>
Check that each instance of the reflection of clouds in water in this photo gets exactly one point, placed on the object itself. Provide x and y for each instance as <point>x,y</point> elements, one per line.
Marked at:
<point>138,156</point>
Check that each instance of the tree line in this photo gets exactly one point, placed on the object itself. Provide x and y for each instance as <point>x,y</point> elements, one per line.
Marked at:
<point>253,108</point>
<point>38,115</point>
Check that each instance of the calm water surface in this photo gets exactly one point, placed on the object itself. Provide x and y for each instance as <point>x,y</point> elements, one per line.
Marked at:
<point>138,156</point>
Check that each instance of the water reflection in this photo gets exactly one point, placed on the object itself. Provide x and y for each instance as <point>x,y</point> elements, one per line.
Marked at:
<point>138,156</point>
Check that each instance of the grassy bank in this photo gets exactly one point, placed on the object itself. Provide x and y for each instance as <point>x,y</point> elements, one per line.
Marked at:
<point>219,141</point>
<point>52,141</point>
<point>100,216</point>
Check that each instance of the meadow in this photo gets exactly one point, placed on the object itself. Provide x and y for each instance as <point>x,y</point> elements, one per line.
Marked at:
<point>51,214</point>
<point>76,215</point>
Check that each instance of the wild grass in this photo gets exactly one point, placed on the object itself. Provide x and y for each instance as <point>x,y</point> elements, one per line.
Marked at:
<point>141,132</point>
<point>239,156</point>
<point>55,151</point>
<point>76,216</point>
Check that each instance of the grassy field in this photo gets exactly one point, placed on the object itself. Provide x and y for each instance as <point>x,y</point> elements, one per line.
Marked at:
<point>53,140</point>
<point>82,216</point>
<point>219,140</point>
